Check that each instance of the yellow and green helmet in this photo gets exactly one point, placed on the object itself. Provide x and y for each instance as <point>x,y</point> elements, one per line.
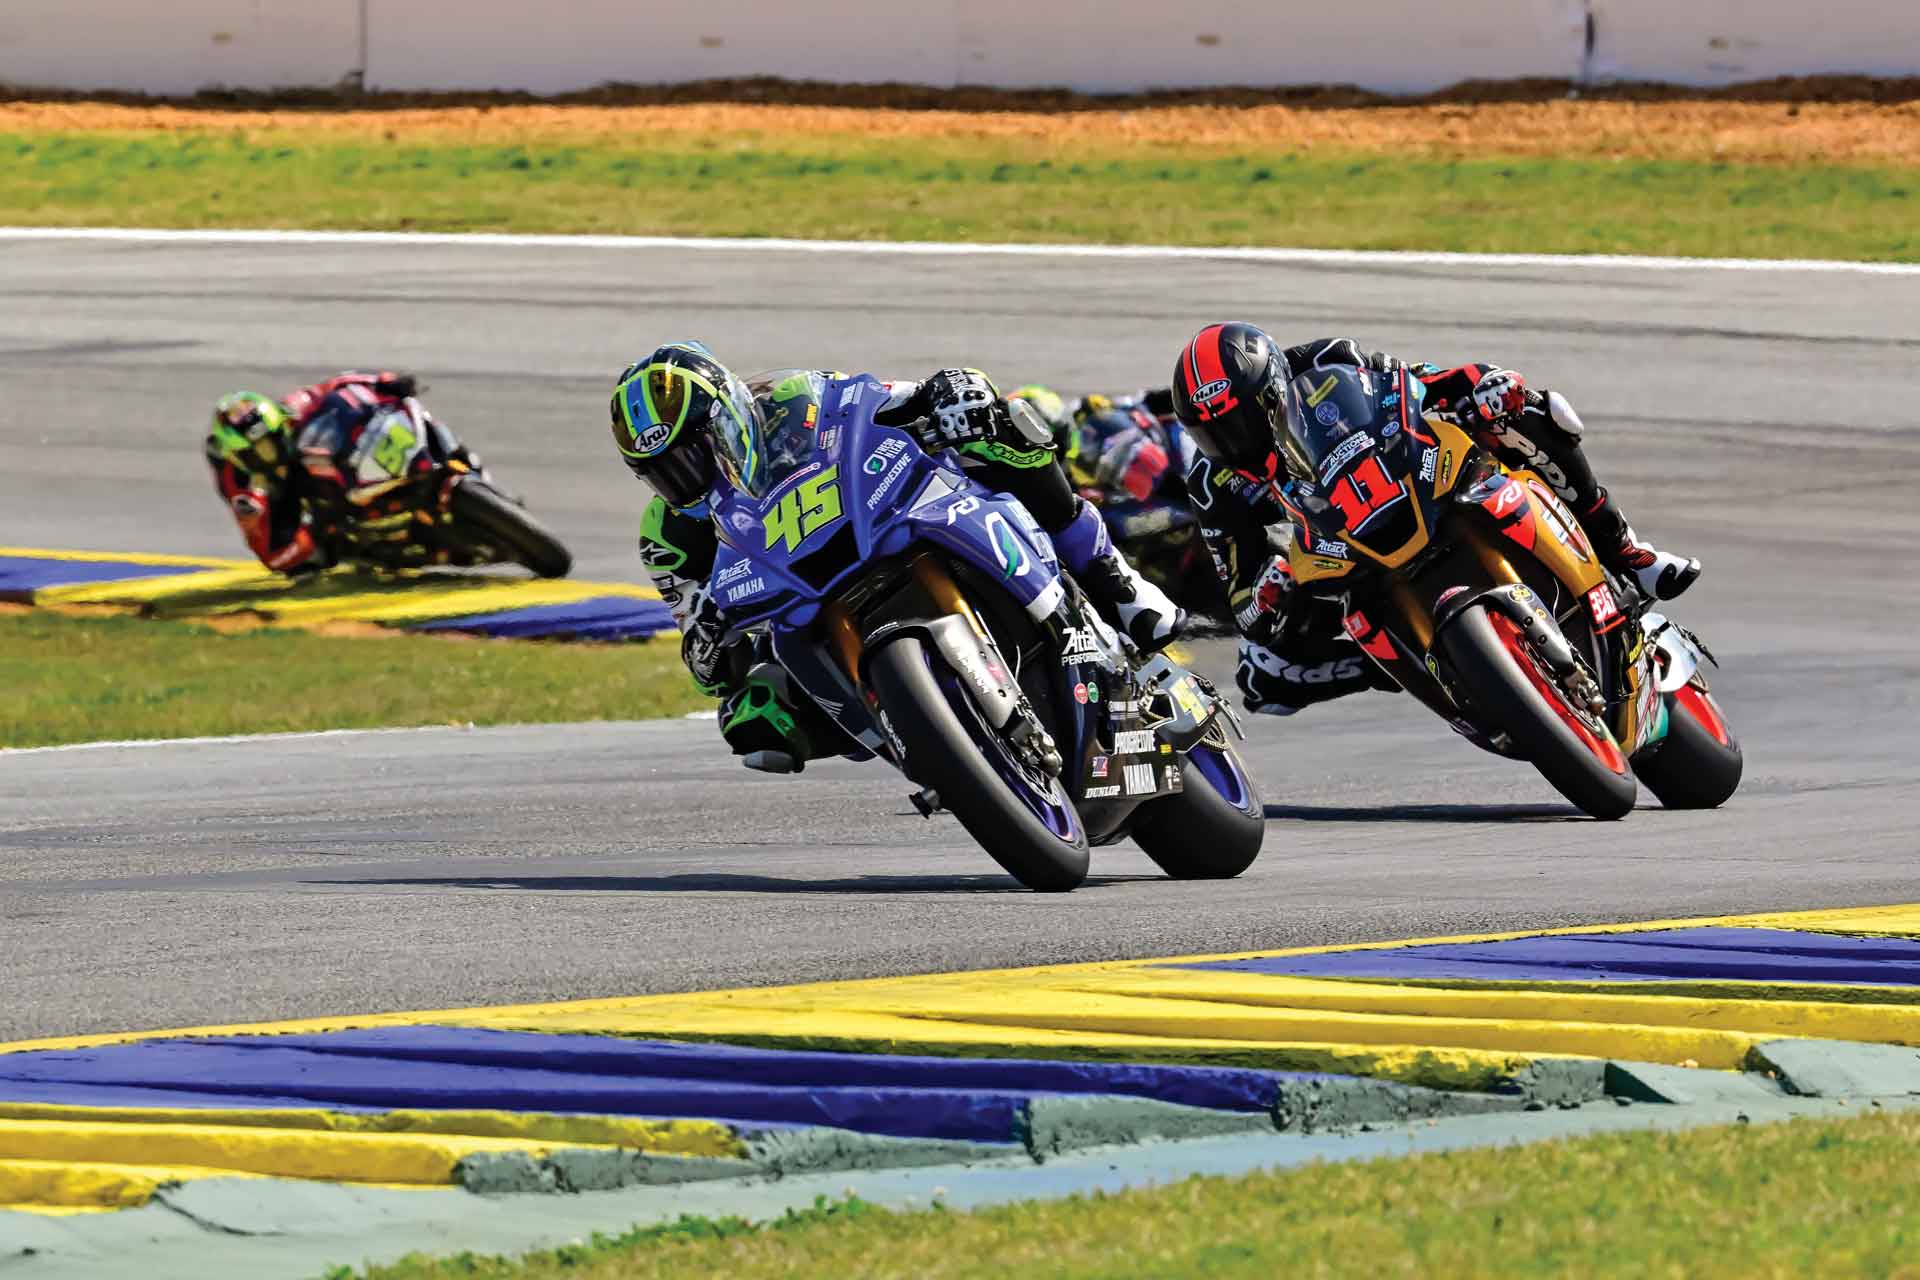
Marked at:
<point>665,411</point>
<point>251,431</point>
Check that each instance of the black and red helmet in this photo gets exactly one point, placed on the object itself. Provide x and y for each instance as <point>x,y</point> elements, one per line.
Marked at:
<point>1230,392</point>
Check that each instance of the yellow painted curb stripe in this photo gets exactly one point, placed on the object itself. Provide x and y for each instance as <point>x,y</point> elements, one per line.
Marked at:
<point>126,557</point>
<point>335,1157</point>
<point>1147,1010</point>
<point>661,1137</point>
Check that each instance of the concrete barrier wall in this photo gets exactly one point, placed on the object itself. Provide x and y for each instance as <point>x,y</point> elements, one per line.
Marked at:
<point>179,46</point>
<point>1718,42</point>
<point>1090,45</point>
<point>1398,46</point>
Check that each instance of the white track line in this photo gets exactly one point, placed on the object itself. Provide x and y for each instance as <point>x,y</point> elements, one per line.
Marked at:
<point>922,248</point>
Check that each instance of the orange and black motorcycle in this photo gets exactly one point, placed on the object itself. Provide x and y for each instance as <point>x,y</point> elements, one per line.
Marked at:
<point>1475,589</point>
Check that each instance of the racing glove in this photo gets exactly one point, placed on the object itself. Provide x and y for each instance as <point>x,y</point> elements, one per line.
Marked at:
<point>962,407</point>
<point>1261,612</point>
<point>703,645</point>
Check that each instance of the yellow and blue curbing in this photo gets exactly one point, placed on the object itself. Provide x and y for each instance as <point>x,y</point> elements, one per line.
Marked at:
<point>201,589</point>
<point>966,1066</point>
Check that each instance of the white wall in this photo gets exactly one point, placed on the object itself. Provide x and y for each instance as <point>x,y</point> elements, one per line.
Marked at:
<point>1717,42</point>
<point>552,46</point>
<point>1091,45</point>
<point>178,46</point>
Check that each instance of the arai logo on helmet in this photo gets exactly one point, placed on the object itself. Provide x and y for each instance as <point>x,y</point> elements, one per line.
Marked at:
<point>1212,391</point>
<point>652,438</point>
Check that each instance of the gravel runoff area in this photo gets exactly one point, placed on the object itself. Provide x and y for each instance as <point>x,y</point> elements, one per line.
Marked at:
<point>1828,121</point>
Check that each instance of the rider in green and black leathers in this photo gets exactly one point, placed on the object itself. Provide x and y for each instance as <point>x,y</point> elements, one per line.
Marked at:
<point>665,411</point>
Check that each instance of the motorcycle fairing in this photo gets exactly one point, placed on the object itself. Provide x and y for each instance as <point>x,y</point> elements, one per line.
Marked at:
<point>888,497</point>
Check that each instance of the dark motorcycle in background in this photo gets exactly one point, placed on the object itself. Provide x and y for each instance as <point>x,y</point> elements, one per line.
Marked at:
<point>1126,462</point>
<point>415,497</point>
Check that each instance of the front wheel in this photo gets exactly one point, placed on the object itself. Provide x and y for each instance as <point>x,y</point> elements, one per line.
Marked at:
<point>1025,821</point>
<point>1212,827</point>
<point>504,524</point>
<point>1508,690</point>
<point>1697,765</point>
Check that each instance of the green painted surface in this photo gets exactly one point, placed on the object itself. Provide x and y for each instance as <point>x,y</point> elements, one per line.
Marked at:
<point>844,185</point>
<point>66,679</point>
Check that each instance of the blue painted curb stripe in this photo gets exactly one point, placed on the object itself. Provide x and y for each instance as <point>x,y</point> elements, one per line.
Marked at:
<point>597,618</point>
<point>447,1068</point>
<point>1703,953</point>
<point>21,576</point>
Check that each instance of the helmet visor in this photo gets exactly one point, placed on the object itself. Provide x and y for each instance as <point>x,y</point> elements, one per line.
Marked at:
<point>682,474</point>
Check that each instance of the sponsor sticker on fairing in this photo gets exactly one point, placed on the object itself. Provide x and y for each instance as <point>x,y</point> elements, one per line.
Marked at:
<point>881,490</point>
<point>1079,645</point>
<point>1429,459</point>
<point>751,587</point>
<point>1099,769</point>
<point>1343,453</point>
<point>1329,547</point>
<point>1138,779</point>
<point>886,451</point>
<point>1102,793</point>
<point>1601,603</point>
<point>734,572</point>
<point>1130,742</point>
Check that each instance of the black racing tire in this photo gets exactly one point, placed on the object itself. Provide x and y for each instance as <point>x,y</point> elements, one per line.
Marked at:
<point>1591,771</point>
<point>942,754</point>
<point>1690,768</point>
<point>1199,834</point>
<point>502,522</point>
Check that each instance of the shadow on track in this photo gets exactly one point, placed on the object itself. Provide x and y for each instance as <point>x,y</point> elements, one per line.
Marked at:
<point>1427,813</point>
<point>715,882</point>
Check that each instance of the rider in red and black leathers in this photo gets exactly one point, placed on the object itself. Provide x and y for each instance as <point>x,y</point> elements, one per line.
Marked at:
<point>1295,653</point>
<point>278,465</point>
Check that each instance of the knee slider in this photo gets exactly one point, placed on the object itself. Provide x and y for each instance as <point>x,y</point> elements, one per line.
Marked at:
<point>1563,415</point>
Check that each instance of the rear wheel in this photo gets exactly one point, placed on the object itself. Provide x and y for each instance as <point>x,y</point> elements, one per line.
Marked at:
<point>1697,765</point>
<point>1024,819</point>
<point>1212,827</point>
<point>506,525</point>
<point>1509,690</point>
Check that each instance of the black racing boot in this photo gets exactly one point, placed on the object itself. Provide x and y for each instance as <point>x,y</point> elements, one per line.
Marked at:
<point>1661,575</point>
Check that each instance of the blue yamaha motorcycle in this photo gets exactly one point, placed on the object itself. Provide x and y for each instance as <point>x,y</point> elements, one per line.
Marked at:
<point>930,618</point>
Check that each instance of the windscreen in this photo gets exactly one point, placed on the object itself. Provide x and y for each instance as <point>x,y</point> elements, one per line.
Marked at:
<point>777,438</point>
<point>1333,415</point>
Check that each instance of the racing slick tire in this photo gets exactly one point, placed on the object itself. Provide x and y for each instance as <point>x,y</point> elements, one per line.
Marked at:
<point>1508,690</point>
<point>1198,833</point>
<point>504,523</point>
<point>1697,765</point>
<point>953,750</point>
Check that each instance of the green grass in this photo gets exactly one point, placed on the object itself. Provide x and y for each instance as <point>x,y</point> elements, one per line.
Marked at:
<point>845,186</point>
<point>68,679</point>
<point>1827,1198</point>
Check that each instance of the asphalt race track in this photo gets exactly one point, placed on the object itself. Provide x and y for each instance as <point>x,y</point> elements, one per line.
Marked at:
<point>1763,420</point>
